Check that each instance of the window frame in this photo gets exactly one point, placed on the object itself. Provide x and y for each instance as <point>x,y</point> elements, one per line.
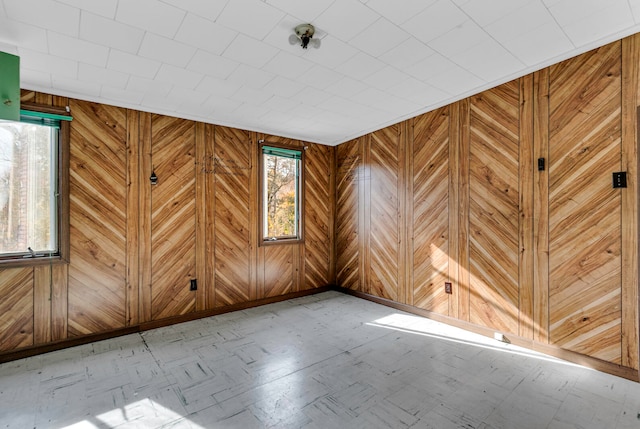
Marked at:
<point>63,227</point>
<point>299,238</point>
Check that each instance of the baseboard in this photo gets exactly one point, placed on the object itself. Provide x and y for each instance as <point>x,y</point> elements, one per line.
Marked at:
<point>85,339</point>
<point>587,361</point>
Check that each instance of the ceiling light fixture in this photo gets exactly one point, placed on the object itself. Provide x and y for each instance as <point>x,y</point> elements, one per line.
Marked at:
<point>304,36</point>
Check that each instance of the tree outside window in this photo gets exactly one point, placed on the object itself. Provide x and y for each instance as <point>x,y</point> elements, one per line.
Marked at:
<point>281,193</point>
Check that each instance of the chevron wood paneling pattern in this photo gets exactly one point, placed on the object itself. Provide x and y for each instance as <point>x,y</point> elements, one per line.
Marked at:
<point>494,208</point>
<point>347,254</point>
<point>431,211</point>
<point>317,197</point>
<point>16,308</point>
<point>585,241</point>
<point>173,216</point>
<point>98,218</point>
<point>231,167</point>
<point>384,213</point>
<point>278,270</point>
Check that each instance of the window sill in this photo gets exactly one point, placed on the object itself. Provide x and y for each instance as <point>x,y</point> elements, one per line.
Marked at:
<point>281,241</point>
<point>32,262</point>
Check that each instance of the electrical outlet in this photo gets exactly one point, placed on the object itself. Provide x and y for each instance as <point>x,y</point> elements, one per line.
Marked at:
<point>447,287</point>
<point>194,284</point>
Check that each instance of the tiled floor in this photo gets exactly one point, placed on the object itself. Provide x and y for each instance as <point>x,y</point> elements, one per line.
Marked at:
<point>324,361</point>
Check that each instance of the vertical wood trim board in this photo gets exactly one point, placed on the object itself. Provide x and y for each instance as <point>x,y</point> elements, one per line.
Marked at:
<point>525,192</point>
<point>541,208</point>
<point>133,219</point>
<point>630,203</point>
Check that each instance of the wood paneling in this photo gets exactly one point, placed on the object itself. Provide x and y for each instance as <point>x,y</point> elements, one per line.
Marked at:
<point>16,308</point>
<point>317,197</point>
<point>98,218</point>
<point>584,231</point>
<point>278,270</point>
<point>630,202</point>
<point>431,210</point>
<point>494,208</point>
<point>231,166</point>
<point>385,231</point>
<point>347,215</point>
<point>172,216</point>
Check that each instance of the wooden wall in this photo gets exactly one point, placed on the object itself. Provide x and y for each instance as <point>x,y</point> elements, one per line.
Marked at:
<point>548,258</point>
<point>135,247</point>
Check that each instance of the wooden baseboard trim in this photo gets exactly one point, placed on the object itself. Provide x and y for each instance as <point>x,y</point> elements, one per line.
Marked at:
<point>85,339</point>
<point>586,361</point>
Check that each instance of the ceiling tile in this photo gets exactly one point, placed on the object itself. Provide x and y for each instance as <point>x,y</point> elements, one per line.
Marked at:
<point>386,77</point>
<point>218,87</point>
<point>9,49</point>
<point>436,20</point>
<point>132,64</point>
<point>418,92</point>
<point>108,32</point>
<point>212,65</point>
<point>344,19</point>
<point>178,76</point>
<point>78,50</point>
<point>34,79</point>
<point>183,95</point>
<point>204,34</point>
<point>331,53</point>
<point>119,95</point>
<point>399,14</point>
<point>74,86</point>
<point>151,15</point>
<point>45,14</point>
<point>460,39</point>
<point>288,65</point>
<point>319,77</point>
<point>490,61</point>
<point>614,17</point>
<point>520,21</point>
<point>250,76</point>
<point>346,87</point>
<point>112,78</point>
<point>32,60</point>
<point>310,96</point>
<point>251,17</point>
<point>166,50</point>
<point>379,37</point>
<point>456,81</point>
<point>304,11</point>
<point>360,66</point>
<point>284,87</point>
<point>406,54</point>
<point>535,47</point>
<point>209,9</point>
<point>281,104</point>
<point>106,8</point>
<point>220,103</point>
<point>485,13</point>
<point>430,66</point>
<point>23,35</point>
<point>249,51</point>
<point>142,85</point>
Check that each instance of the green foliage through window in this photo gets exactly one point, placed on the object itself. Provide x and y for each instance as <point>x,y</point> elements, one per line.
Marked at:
<point>281,199</point>
<point>28,188</point>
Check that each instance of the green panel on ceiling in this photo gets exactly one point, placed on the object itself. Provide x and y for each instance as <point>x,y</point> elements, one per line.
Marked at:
<point>9,87</point>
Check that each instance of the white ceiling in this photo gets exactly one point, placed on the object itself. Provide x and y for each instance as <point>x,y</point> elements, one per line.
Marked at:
<point>229,62</point>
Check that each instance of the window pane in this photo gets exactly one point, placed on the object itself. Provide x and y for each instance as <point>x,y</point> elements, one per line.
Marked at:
<point>280,196</point>
<point>28,183</point>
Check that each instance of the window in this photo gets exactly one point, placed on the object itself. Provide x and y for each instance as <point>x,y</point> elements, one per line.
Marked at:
<point>34,221</point>
<point>281,184</point>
